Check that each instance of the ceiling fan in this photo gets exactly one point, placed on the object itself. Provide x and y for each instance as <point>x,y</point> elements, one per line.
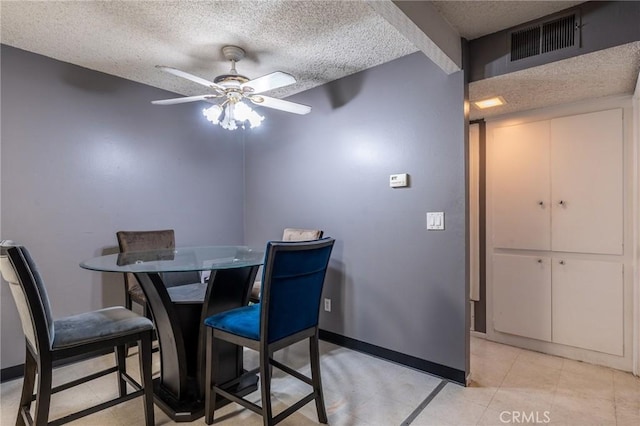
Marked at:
<point>230,91</point>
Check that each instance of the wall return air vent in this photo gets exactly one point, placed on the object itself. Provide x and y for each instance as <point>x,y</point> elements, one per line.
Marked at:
<point>544,37</point>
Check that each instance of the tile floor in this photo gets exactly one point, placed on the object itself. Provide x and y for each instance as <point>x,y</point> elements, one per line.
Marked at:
<point>509,386</point>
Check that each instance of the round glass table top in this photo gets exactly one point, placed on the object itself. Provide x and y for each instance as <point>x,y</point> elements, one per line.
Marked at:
<point>178,260</point>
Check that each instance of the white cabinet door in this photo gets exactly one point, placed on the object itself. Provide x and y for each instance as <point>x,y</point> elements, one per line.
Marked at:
<point>520,186</point>
<point>522,295</point>
<point>586,183</point>
<point>588,304</point>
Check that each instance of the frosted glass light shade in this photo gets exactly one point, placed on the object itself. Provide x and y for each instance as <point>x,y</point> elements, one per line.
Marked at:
<point>234,114</point>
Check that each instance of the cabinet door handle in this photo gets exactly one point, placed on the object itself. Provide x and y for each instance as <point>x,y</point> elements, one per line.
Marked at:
<point>562,203</point>
<point>561,262</point>
<point>539,260</point>
<point>541,203</point>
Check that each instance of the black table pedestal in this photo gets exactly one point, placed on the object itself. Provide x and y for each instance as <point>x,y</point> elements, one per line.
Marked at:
<point>191,407</point>
<point>179,391</point>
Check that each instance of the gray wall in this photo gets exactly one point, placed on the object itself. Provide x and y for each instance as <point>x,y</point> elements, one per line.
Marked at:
<point>392,284</point>
<point>85,154</point>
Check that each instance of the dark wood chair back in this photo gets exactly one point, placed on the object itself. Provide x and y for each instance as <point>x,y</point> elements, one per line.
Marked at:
<point>71,339</point>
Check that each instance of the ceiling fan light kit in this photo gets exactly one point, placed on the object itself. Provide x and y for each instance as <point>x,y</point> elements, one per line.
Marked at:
<point>233,114</point>
<point>236,91</point>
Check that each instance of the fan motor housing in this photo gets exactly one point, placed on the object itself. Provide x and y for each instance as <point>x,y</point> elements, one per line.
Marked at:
<point>228,78</point>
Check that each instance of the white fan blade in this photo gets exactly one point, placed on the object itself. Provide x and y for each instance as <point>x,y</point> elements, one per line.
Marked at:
<point>274,103</point>
<point>184,99</point>
<point>191,77</point>
<point>269,82</point>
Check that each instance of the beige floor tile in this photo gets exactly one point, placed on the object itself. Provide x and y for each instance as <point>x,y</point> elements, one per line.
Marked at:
<point>626,411</point>
<point>72,400</point>
<point>538,359</point>
<point>361,390</point>
<point>521,400</point>
<point>626,389</point>
<point>343,375</point>
<point>430,419</point>
<point>487,378</point>
<point>583,386</point>
<point>491,362</point>
<point>594,373</point>
<point>627,421</point>
<point>345,399</point>
<point>526,375</point>
<point>474,393</point>
<point>583,410</point>
<point>233,414</point>
<point>9,400</point>
<point>341,402</point>
<point>448,410</point>
<point>485,349</point>
<point>490,418</point>
<point>627,407</point>
<point>493,417</point>
<point>407,386</point>
<point>338,413</point>
<point>381,411</point>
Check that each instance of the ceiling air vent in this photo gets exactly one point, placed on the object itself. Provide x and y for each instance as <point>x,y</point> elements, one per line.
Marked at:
<point>525,43</point>
<point>544,37</point>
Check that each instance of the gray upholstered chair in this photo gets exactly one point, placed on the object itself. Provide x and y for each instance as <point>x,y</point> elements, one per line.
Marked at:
<point>71,339</point>
<point>158,240</point>
<point>288,312</point>
<point>289,234</point>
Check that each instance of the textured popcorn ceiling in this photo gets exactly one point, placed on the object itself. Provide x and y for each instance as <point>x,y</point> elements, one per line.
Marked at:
<point>604,73</point>
<point>473,19</point>
<point>316,41</point>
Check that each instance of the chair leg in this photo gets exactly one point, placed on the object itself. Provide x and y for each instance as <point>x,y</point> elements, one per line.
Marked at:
<point>127,299</point>
<point>210,374</point>
<point>128,303</point>
<point>144,355</point>
<point>43,391</point>
<point>121,352</point>
<point>265,386</point>
<point>314,353</point>
<point>30,368</point>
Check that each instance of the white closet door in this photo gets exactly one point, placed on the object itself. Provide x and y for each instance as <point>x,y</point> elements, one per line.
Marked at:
<point>586,183</point>
<point>522,295</point>
<point>520,186</point>
<point>588,304</point>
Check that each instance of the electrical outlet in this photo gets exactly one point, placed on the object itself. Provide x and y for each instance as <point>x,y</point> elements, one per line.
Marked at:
<point>327,305</point>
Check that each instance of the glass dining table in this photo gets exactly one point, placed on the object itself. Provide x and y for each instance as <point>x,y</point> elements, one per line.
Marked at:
<point>179,391</point>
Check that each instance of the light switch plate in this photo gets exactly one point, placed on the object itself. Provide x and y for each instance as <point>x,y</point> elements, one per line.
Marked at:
<point>435,221</point>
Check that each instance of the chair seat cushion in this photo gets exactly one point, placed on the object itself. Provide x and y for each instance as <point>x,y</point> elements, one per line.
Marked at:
<point>243,321</point>
<point>187,293</point>
<point>97,325</point>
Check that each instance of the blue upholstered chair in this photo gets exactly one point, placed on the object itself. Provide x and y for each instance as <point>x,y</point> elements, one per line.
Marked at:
<point>288,312</point>
<point>289,234</point>
<point>69,339</point>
